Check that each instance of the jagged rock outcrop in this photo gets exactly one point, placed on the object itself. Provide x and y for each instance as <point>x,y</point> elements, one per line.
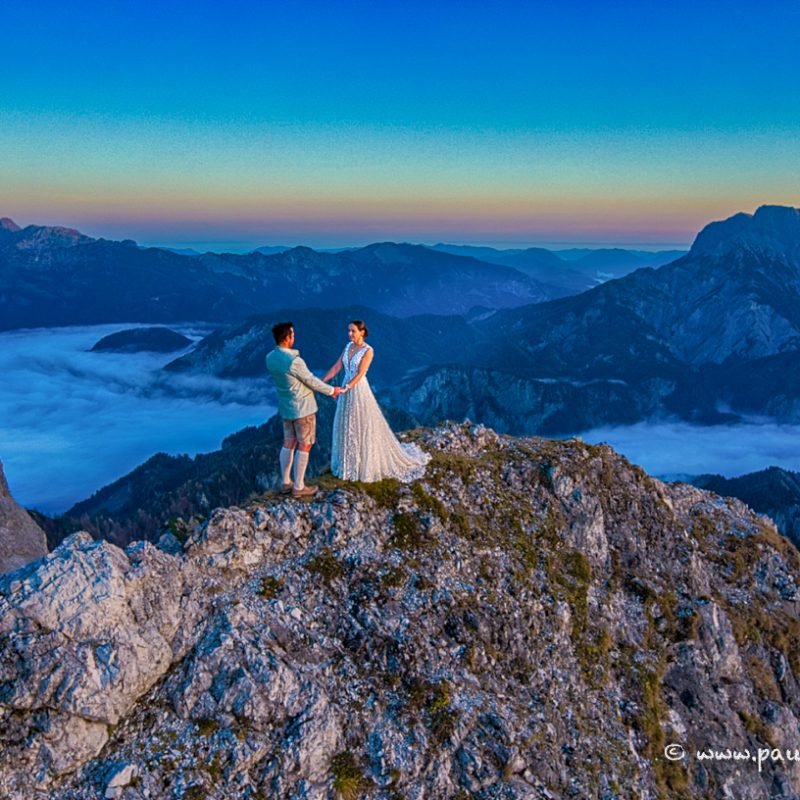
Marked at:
<point>772,230</point>
<point>21,539</point>
<point>8,225</point>
<point>772,491</point>
<point>733,296</point>
<point>533,619</point>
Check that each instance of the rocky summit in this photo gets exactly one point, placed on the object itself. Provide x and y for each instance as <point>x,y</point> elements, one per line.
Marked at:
<point>533,619</point>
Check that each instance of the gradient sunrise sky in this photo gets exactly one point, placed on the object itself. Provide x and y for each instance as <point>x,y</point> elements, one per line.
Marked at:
<point>232,125</point>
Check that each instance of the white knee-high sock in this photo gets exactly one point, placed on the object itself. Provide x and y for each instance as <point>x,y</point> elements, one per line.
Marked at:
<point>286,464</point>
<point>300,464</point>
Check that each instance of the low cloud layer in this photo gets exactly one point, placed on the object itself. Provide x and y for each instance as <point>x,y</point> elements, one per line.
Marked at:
<point>72,421</point>
<point>678,449</point>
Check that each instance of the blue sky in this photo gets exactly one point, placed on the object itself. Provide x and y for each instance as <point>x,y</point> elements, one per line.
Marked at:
<point>342,123</point>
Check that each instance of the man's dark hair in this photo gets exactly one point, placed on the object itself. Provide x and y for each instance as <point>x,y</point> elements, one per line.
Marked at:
<point>281,330</point>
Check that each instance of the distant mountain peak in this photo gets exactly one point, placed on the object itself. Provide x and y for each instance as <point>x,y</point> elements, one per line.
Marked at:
<point>392,247</point>
<point>771,229</point>
<point>8,224</point>
<point>42,237</point>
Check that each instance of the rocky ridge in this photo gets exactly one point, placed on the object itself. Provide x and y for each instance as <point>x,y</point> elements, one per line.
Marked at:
<point>772,491</point>
<point>733,296</point>
<point>533,619</point>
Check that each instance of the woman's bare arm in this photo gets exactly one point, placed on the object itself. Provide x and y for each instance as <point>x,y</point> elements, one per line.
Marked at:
<point>334,370</point>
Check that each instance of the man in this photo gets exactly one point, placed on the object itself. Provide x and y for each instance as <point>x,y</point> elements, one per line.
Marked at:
<point>297,407</point>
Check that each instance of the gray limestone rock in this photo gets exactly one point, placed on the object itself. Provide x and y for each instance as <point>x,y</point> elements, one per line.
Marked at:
<point>533,619</point>
<point>21,539</point>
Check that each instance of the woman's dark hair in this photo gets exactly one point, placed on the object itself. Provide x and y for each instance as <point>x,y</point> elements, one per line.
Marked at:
<point>281,330</point>
<point>359,323</point>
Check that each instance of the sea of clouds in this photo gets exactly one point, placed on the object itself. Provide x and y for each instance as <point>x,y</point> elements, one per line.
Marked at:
<point>72,421</point>
<point>677,450</point>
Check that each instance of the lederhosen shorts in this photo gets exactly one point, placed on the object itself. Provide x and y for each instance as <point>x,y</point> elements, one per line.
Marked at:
<point>303,430</point>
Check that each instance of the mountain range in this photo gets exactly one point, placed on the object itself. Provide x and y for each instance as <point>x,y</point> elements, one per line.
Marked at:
<point>577,269</point>
<point>57,276</point>
<point>711,337</point>
<point>52,276</point>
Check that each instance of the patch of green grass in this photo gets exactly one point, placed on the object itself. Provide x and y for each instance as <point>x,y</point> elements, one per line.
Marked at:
<point>756,726</point>
<point>215,768</point>
<point>328,481</point>
<point>550,527</point>
<point>394,577</point>
<point>456,464</point>
<point>326,565</point>
<point>525,545</point>
<point>270,587</point>
<point>638,588</point>
<point>443,717</point>
<point>459,523</point>
<point>432,701</point>
<point>439,699</point>
<point>179,528</point>
<point>703,529</point>
<point>206,726</point>
<point>572,574</point>
<point>427,502</point>
<point>407,531</point>
<point>679,626</point>
<point>349,781</point>
<point>671,778</point>
<point>775,628</point>
<point>385,493</point>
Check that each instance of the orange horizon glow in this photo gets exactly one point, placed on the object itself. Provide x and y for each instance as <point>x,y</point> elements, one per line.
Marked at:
<point>349,222</point>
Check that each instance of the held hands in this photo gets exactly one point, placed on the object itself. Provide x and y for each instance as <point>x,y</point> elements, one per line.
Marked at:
<point>337,390</point>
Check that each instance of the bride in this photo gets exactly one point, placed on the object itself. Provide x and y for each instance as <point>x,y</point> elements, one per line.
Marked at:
<point>364,447</point>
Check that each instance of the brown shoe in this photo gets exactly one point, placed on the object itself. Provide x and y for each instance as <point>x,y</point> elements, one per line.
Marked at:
<point>305,493</point>
<point>286,488</point>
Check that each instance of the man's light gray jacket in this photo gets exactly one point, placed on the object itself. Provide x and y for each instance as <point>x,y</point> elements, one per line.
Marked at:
<point>295,383</point>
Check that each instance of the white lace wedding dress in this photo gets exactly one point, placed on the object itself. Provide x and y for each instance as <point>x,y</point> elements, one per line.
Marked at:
<point>364,446</point>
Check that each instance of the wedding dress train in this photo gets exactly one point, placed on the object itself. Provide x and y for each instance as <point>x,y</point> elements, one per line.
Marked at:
<point>364,446</point>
